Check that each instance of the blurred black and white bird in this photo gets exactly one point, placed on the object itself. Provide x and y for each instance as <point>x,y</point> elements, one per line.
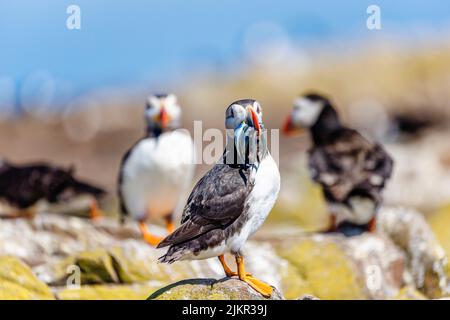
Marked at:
<point>23,186</point>
<point>232,200</point>
<point>351,170</point>
<point>158,169</point>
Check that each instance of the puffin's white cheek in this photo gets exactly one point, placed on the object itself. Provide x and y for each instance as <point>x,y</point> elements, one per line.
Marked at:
<point>307,117</point>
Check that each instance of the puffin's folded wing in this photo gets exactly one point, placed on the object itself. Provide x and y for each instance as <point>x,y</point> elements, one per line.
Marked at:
<point>337,166</point>
<point>381,162</point>
<point>216,201</point>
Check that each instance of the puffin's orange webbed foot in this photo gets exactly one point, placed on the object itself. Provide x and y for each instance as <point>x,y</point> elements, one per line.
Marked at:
<point>170,226</point>
<point>263,288</point>
<point>148,237</point>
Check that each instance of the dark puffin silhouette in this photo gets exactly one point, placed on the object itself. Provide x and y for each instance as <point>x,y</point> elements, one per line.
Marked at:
<point>22,186</point>
<point>351,170</point>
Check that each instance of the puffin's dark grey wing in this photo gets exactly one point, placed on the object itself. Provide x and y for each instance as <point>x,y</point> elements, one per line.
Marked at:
<point>216,201</point>
<point>348,161</point>
<point>379,162</point>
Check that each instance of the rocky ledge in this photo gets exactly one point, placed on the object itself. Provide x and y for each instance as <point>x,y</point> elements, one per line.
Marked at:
<point>211,289</point>
<point>62,257</point>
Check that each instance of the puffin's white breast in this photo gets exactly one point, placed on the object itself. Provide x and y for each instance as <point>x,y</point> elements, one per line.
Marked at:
<point>260,201</point>
<point>157,173</point>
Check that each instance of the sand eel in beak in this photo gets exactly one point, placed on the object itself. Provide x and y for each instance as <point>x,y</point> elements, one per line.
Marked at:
<point>23,186</point>
<point>351,170</point>
<point>232,200</point>
<point>157,171</point>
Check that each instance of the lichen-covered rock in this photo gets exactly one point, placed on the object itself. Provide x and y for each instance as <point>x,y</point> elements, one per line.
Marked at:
<point>440,224</point>
<point>107,292</point>
<point>426,259</point>
<point>410,293</point>
<point>336,267</point>
<point>134,261</point>
<point>111,257</point>
<point>324,265</point>
<point>211,289</point>
<point>17,282</point>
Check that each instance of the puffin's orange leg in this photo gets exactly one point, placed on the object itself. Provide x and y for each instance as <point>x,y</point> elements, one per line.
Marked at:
<point>332,226</point>
<point>372,226</point>
<point>148,237</point>
<point>258,285</point>
<point>170,226</point>
<point>28,213</point>
<point>95,212</point>
<point>228,272</point>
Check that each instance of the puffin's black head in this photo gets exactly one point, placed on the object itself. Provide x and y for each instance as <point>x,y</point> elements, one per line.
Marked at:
<point>245,112</point>
<point>311,111</point>
<point>162,113</point>
<point>245,128</point>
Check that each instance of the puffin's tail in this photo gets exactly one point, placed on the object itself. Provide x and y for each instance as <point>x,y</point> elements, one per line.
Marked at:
<point>174,253</point>
<point>85,188</point>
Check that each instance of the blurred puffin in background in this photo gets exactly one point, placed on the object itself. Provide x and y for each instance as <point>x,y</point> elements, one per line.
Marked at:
<point>232,200</point>
<point>158,169</point>
<point>23,186</point>
<point>351,170</point>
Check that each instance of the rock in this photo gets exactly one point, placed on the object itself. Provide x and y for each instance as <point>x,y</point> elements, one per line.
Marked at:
<point>50,236</point>
<point>308,297</point>
<point>426,259</point>
<point>125,258</point>
<point>410,293</point>
<point>107,292</point>
<point>111,256</point>
<point>440,224</point>
<point>17,281</point>
<point>336,267</point>
<point>211,289</point>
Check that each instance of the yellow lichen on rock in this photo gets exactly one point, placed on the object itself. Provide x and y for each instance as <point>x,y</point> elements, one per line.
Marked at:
<point>328,271</point>
<point>17,282</point>
<point>211,289</point>
<point>409,293</point>
<point>107,292</point>
<point>440,224</point>
<point>293,284</point>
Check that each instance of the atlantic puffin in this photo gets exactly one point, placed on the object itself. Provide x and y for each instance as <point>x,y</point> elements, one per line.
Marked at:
<point>232,200</point>
<point>351,170</point>
<point>23,186</point>
<point>158,169</point>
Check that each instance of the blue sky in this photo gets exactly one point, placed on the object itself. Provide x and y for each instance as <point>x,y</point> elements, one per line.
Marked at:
<point>136,41</point>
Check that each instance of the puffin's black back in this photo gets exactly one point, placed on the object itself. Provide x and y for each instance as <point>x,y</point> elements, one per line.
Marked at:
<point>23,186</point>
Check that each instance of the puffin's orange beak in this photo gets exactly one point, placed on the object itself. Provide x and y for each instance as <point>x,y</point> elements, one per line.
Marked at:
<point>164,117</point>
<point>289,129</point>
<point>254,119</point>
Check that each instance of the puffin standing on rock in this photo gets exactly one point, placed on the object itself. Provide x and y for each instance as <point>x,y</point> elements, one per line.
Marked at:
<point>351,170</point>
<point>157,170</point>
<point>232,200</point>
